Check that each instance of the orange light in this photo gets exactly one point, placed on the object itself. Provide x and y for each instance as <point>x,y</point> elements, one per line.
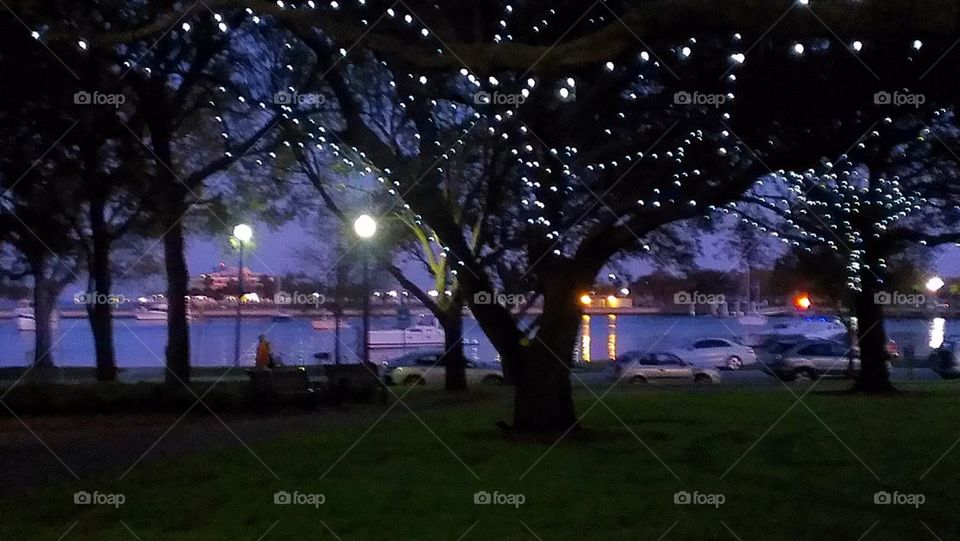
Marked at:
<point>612,301</point>
<point>802,301</point>
<point>586,300</point>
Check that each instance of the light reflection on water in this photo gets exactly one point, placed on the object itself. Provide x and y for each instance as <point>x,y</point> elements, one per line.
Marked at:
<point>937,331</point>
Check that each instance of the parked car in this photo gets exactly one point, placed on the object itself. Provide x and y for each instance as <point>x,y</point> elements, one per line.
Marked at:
<point>638,367</point>
<point>720,353</point>
<point>946,358</point>
<point>809,359</point>
<point>425,367</point>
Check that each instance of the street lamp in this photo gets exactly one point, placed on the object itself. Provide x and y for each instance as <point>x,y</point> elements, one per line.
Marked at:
<point>934,284</point>
<point>366,227</point>
<point>242,233</point>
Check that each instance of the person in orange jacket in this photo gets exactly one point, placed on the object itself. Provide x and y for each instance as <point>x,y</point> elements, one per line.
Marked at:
<point>264,356</point>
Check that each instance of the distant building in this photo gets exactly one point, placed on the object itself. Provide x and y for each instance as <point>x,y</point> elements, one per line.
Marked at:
<point>225,281</point>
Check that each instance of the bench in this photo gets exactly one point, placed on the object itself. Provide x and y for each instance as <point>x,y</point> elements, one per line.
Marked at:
<point>354,381</point>
<point>281,385</point>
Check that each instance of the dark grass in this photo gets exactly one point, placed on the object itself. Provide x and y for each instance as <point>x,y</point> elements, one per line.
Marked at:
<point>812,476</point>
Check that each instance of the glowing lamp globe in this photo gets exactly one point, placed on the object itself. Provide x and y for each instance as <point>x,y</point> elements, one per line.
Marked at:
<point>243,233</point>
<point>934,284</point>
<point>365,226</point>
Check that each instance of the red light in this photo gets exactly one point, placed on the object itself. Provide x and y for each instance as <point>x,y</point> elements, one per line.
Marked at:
<point>802,301</point>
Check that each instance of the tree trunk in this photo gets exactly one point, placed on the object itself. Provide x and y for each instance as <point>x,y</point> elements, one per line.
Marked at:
<point>178,278</point>
<point>454,361</point>
<point>874,377</point>
<point>100,307</point>
<point>543,399</point>
<point>44,302</point>
<point>543,396</point>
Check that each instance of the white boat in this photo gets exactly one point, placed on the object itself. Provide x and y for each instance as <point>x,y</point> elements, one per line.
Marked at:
<point>416,336</point>
<point>157,314</point>
<point>752,321</point>
<point>809,327</point>
<point>326,324</point>
<point>151,315</point>
<point>26,321</point>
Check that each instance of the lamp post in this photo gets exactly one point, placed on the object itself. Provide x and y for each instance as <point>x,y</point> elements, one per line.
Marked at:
<point>366,227</point>
<point>242,233</point>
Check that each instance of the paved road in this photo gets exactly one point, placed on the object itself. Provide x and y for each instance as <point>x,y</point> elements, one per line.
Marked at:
<point>757,378</point>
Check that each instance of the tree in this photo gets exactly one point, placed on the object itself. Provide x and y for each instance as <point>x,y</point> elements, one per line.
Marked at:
<point>900,188</point>
<point>38,180</point>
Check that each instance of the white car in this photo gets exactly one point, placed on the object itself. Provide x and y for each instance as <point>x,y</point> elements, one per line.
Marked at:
<point>425,368</point>
<point>718,353</point>
<point>640,368</point>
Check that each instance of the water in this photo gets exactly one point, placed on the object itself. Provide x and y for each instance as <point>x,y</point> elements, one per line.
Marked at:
<point>141,344</point>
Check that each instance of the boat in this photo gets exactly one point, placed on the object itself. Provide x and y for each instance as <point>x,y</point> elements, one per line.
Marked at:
<point>415,336</point>
<point>151,315</point>
<point>326,324</point>
<point>822,327</point>
<point>752,320</point>
<point>26,321</point>
<point>157,313</point>
<point>280,317</point>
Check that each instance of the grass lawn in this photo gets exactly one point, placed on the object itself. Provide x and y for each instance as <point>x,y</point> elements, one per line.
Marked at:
<point>784,472</point>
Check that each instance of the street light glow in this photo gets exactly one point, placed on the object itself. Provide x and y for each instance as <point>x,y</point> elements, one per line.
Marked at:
<point>934,284</point>
<point>365,226</point>
<point>243,233</point>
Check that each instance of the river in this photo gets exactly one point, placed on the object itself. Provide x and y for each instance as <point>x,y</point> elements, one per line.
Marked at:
<point>141,344</point>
